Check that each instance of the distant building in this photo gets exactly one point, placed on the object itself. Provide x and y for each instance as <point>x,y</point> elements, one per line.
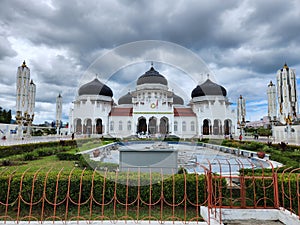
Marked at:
<point>263,122</point>
<point>152,109</point>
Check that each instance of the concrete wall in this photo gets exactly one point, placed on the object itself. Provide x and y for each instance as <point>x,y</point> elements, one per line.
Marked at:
<point>154,160</point>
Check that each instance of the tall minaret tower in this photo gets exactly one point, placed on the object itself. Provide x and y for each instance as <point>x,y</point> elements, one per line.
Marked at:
<point>241,113</point>
<point>241,110</point>
<point>22,84</point>
<point>58,111</point>
<point>272,106</point>
<point>31,106</point>
<point>286,94</point>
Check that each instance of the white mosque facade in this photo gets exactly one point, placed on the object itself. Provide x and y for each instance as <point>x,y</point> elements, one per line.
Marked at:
<point>152,109</point>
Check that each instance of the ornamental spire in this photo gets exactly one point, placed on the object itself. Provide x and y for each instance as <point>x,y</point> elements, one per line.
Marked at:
<point>270,84</point>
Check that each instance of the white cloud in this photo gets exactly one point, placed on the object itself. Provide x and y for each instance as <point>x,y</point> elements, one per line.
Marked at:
<point>243,42</point>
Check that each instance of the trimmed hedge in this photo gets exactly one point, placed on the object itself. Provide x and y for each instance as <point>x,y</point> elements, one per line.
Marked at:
<point>194,184</point>
<point>67,156</point>
<point>288,157</point>
<point>6,151</point>
<point>181,189</point>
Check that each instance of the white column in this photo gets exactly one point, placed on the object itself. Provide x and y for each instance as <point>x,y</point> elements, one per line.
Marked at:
<point>58,112</point>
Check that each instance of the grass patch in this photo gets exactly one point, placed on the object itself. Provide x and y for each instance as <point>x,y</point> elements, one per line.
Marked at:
<point>45,164</point>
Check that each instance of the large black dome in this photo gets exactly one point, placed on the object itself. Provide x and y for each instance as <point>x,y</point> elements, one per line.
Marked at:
<point>152,77</point>
<point>177,100</point>
<point>208,88</point>
<point>125,99</point>
<point>95,87</point>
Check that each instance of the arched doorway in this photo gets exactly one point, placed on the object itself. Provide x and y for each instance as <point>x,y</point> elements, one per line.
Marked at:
<point>227,126</point>
<point>206,125</point>
<point>217,129</point>
<point>142,125</point>
<point>99,126</point>
<point>164,125</point>
<point>88,126</point>
<point>78,128</point>
<point>152,125</point>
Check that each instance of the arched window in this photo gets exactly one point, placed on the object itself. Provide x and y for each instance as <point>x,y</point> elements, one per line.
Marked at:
<point>175,126</point>
<point>120,125</point>
<point>129,125</point>
<point>192,126</point>
<point>183,126</point>
<point>111,126</point>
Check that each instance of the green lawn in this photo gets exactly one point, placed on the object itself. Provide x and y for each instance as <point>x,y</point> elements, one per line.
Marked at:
<point>45,164</point>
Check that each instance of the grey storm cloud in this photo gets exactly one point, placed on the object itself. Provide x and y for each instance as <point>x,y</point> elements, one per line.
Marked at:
<point>243,40</point>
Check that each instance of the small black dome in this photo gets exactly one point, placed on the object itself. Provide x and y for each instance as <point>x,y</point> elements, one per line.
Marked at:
<point>177,100</point>
<point>208,88</point>
<point>152,77</point>
<point>125,99</point>
<point>95,87</point>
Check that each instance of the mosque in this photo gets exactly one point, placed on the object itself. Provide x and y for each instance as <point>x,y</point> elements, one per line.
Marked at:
<point>152,109</point>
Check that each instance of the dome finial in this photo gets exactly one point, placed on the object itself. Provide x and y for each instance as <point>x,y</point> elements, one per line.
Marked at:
<point>152,68</point>
<point>24,64</point>
<point>270,84</point>
<point>285,66</point>
<point>207,76</point>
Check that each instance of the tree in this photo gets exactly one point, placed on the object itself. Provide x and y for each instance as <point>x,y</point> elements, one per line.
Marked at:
<point>5,116</point>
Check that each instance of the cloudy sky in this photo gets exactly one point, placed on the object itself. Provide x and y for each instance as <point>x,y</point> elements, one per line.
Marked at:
<point>65,43</point>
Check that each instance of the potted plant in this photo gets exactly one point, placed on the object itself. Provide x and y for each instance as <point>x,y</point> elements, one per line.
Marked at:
<point>261,155</point>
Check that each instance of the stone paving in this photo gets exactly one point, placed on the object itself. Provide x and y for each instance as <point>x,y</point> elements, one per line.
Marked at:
<point>252,222</point>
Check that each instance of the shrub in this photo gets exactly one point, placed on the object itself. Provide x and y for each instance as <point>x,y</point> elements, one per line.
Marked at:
<point>30,156</point>
<point>253,146</point>
<point>45,152</point>
<point>67,156</point>
<point>173,185</point>
<point>6,151</point>
<point>6,163</point>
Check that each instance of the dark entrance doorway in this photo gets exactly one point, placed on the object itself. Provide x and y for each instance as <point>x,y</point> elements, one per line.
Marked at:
<point>152,126</point>
<point>163,126</point>
<point>205,130</point>
<point>227,127</point>
<point>99,128</point>
<point>142,125</point>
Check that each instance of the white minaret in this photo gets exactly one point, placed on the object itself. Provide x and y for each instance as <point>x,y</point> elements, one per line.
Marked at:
<point>22,85</point>
<point>241,113</point>
<point>287,95</point>
<point>58,111</point>
<point>272,106</point>
<point>31,106</point>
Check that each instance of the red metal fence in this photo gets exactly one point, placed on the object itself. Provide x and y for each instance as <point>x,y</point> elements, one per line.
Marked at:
<point>92,195</point>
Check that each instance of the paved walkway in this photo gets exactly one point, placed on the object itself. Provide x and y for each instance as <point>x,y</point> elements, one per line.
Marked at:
<point>252,222</point>
<point>38,139</point>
